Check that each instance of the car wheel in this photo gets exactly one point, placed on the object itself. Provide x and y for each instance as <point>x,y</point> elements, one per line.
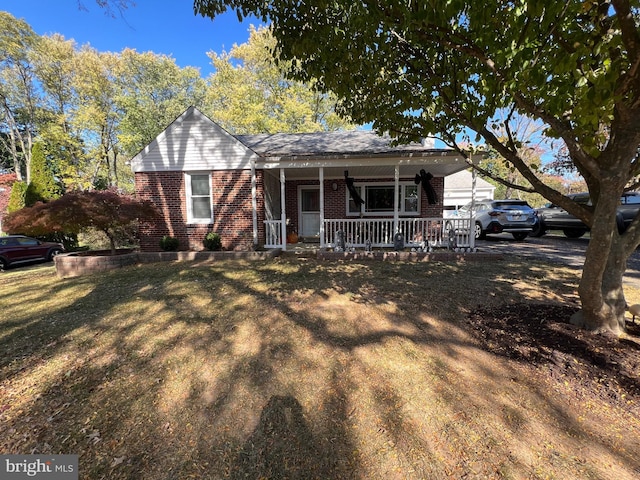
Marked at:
<point>3,264</point>
<point>573,232</point>
<point>538,230</point>
<point>478,232</point>
<point>53,252</point>
<point>520,235</point>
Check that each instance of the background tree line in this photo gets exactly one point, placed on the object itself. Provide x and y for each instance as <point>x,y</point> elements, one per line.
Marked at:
<point>71,117</point>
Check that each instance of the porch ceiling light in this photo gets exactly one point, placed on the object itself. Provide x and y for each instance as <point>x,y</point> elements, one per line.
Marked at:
<point>334,186</point>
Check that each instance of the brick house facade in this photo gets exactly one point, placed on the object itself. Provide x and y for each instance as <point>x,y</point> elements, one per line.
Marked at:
<point>232,215</point>
<point>248,188</point>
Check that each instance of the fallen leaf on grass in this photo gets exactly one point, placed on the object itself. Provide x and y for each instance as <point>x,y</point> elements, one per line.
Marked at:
<point>94,436</point>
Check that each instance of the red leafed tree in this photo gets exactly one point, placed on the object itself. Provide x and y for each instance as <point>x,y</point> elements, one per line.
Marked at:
<point>6,181</point>
<point>106,211</point>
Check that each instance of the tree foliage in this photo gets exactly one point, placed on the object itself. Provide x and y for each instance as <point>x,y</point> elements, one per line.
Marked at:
<point>250,92</point>
<point>42,187</point>
<point>93,110</point>
<point>18,92</point>
<point>106,211</point>
<point>418,68</point>
<point>152,92</point>
<point>17,199</point>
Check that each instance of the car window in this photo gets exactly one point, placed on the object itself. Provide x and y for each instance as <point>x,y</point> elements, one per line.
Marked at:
<point>27,241</point>
<point>582,199</point>
<point>467,207</point>
<point>6,242</point>
<point>512,205</point>
<point>631,199</point>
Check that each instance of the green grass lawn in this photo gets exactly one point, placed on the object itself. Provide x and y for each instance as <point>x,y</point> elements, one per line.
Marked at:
<point>292,368</point>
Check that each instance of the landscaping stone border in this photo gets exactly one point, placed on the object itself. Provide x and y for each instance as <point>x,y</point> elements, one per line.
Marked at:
<point>85,263</point>
<point>77,264</point>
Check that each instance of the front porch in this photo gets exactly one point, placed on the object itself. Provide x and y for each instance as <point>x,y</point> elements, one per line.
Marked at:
<point>383,197</point>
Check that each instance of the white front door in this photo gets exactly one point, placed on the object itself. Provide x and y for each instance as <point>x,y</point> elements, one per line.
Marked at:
<point>309,202</point>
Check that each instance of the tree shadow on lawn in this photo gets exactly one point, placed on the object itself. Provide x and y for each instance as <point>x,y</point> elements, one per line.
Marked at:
<point>300,370</point>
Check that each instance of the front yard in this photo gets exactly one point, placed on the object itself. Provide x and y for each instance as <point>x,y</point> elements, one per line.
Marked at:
<point>294,368</point>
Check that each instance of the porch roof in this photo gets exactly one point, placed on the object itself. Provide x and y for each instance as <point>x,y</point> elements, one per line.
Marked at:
<point>364,153</point>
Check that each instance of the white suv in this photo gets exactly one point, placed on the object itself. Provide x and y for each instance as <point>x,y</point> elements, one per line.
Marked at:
<point>496,216</point>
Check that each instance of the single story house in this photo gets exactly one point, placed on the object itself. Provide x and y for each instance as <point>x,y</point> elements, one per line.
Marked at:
<point>349,189</point>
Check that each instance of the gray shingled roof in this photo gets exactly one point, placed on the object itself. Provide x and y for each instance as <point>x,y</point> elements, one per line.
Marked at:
<point>326,143</point>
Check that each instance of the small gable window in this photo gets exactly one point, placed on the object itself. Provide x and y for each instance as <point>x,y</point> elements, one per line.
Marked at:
<point>198,192</point>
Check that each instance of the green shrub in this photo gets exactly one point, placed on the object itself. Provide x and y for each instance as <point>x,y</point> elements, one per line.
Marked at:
<point>212,241</point>
<point>17,198</point>
<point>169,244</point>
<point>43,186</point>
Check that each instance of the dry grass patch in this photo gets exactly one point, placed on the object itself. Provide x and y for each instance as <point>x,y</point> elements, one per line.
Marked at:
<point>296,369</point>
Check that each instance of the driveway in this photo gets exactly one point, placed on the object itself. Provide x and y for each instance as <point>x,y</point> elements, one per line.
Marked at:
<point>554,249</point>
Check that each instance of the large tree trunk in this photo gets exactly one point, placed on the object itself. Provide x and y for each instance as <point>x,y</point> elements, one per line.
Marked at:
<point>601,290</point>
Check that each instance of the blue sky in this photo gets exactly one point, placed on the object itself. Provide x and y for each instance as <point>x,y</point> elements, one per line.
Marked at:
<point>162,26</point>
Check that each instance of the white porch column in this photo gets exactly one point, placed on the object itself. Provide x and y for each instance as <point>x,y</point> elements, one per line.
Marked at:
<point>283,212</point>
<point>254,202</point>
<point>321,177</point>
<point>472,222</point>
<point>396,200</point>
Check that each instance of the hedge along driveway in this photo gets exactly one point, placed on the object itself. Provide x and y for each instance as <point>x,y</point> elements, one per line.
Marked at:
<point>292,368</point>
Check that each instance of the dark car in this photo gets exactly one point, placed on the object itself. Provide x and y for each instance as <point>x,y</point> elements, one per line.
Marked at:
<point>16,249</point>
<point>496,216</point>
<point>553,217</point>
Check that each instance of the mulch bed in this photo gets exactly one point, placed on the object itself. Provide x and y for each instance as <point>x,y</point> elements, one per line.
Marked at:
<point>538,336</point>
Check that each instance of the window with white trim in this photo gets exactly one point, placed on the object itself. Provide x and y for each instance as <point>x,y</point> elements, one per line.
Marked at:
<point>198,193</point>
<point>378,199</point>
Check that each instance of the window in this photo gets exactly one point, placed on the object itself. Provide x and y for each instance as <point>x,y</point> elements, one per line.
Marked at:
<point>631,199</point>
<point>352,208</point>
<point>378,199</point>
<point>198,190</point>
<point>27,241</point>
<point>411,199</point>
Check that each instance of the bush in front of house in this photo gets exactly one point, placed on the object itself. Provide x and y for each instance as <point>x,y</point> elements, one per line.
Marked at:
<point>212,241</point>
<point>169,244</point>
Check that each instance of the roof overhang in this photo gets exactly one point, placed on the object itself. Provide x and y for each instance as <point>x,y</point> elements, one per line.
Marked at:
<point>439,163</point>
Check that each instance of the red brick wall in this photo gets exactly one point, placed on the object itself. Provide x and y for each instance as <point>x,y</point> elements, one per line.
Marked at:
<point>232,210</point>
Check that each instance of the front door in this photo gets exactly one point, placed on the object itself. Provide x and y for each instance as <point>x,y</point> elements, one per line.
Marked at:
<point>309,212</point>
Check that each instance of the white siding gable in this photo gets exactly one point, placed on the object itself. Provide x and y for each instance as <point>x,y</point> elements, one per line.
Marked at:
<point>193,143</point>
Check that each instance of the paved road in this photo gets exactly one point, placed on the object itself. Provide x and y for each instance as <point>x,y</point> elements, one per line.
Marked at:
<point>553,248</point>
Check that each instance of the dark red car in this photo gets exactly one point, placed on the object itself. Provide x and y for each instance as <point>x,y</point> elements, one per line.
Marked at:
<point>15,249</point>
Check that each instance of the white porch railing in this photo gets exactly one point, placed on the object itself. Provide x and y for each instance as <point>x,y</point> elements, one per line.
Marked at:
<point>273,233</point>
<point>416,232</point>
